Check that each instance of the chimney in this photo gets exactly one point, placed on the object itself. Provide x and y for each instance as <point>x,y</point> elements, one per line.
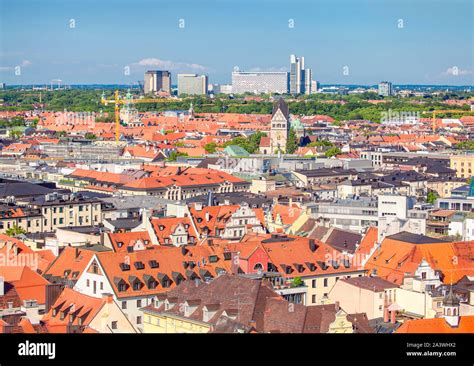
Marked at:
<point>107,298</point>
<point>76,252</point>
<point>198,206</point>
<point>2,286</point>
<point>393,314</point>
<point>207,216</point>
<point>31,309</point>
<point>386,315</point>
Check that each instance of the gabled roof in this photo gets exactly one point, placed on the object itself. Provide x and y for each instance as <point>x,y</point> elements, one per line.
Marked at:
<point>27,284</point>
<point>401,254</point>
<point>74,305</point>
<point>169,261</point>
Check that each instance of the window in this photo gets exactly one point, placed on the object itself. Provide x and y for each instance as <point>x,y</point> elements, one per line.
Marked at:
<point>423,275</point>
<point>325,282</point>
<point>114,324</point>
<point>139,303</point>
<point>139,319</point>
<point>88,283</point>
<point>124,305</point>
<point>313,284</point>
<point>94,268</point>
<point>313,299</point>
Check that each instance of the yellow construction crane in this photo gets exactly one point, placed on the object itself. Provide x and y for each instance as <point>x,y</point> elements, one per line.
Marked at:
<point>435,112</point>
<point>118,101</point>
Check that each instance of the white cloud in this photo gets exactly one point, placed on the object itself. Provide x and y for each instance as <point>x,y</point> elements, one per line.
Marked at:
<point>169,65</point>
<point>24,63</point>
<point>456,71</point>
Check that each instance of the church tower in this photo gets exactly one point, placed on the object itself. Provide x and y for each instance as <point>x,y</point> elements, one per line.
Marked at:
<point>451,308</point>
<point>280,126</point>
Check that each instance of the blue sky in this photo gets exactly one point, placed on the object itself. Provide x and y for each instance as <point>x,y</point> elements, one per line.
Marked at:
<point>435,45</point>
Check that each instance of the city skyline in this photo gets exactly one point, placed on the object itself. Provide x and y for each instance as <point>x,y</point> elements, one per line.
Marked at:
<point>81,47</point>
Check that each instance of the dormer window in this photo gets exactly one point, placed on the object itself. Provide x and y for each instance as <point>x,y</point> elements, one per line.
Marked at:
<point>153,263</point>
<point>124,267</point>
<point>139,265</point>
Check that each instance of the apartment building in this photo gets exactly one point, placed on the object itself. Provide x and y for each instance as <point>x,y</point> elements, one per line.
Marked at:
<point>61,210</point>
<point>463,164</point>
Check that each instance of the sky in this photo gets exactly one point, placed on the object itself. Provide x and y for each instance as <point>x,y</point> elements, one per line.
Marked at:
<point>343,41</point>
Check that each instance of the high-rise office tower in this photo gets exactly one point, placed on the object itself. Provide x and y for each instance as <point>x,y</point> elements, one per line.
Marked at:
<point>192,84</point>
<point>385,88</point>
<point>300,78</point>
<point>157,80</point>
<point>308,75</point>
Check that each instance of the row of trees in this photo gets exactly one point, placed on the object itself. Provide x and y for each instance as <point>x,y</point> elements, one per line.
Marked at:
<point>356,105</point>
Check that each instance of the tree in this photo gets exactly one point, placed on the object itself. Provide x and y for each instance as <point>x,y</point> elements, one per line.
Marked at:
<point>15,230</point>
<point>210,147</point>
<point>90,136</point>
<point>431,197</point>
<point>291,142</point>
<point>466,145</point>
<point>15,134</point>
<point>333,151</point>
<point>250,144</point>
<point>175,154</point>
<point>321,143</point>
<point>297,281</point>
